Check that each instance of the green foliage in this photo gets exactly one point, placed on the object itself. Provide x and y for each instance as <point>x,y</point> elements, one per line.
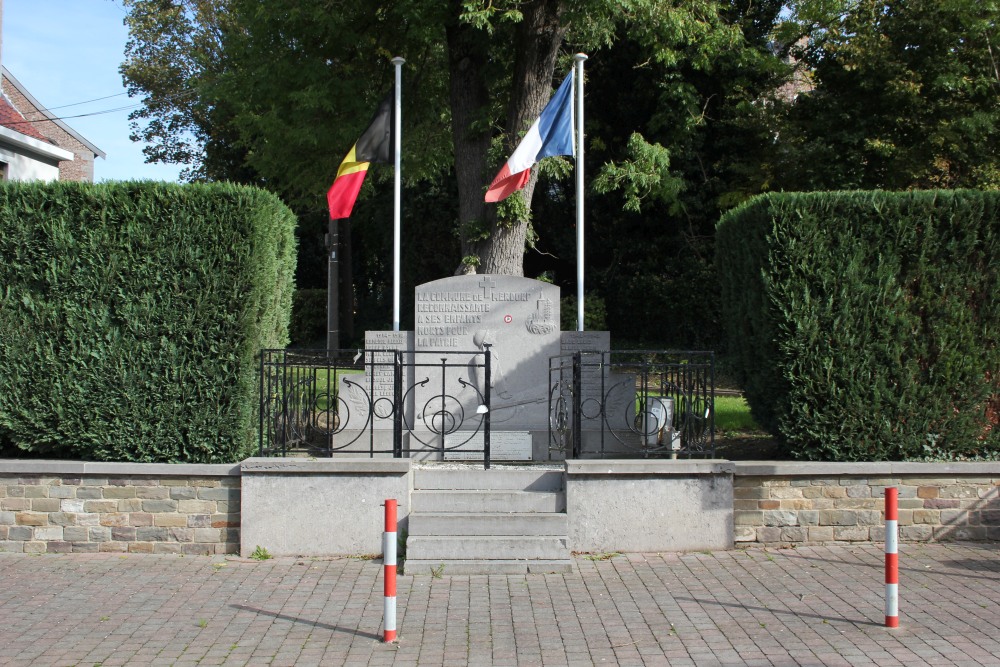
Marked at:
<point>645,175</point>
<point>906,96</point>
<point>865,325</point>
<point>595,315</point>
<point>308,323</point>
<point>132,314</point>
<point>260,553</point>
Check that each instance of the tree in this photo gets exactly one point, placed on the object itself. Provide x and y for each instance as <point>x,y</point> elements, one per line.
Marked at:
<point>907,95</point>
<point>174,50</point>
<point>287,85</point>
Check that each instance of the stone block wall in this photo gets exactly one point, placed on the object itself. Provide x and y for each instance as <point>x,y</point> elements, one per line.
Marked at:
<point>117,508</point>
<point>809,503</point>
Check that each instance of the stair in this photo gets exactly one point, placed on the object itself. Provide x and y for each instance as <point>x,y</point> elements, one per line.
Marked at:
<point>497,521</point>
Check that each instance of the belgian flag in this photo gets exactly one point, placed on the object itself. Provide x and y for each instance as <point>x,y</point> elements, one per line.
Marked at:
<point>375,145</point>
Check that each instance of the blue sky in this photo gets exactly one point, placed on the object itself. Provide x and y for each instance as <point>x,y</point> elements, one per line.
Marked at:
<point>68,51</point>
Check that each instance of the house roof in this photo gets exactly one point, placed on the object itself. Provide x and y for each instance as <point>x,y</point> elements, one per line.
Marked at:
<point>49,115</point>
<point>13,120</point>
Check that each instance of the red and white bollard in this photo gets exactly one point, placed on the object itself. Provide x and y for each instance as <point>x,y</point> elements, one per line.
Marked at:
<point>891,557</point>
<point>389,561</point>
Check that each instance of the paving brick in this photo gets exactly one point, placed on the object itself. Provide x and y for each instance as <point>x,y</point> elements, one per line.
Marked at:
<point>809,605</point>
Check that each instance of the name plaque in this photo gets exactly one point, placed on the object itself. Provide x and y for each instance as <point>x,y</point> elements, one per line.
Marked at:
<point>504,446</point>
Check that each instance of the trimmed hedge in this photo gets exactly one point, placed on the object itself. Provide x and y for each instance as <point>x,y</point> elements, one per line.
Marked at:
<point>866,325</point>
<point>132,315</point>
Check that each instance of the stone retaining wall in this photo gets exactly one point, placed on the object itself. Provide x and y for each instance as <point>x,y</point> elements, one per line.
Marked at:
<point>58,506</point>
<point>61,507</point>
<point>798,503</point>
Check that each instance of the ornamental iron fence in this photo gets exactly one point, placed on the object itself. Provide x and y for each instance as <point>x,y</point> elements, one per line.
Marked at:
<point>437,405</point>
<point>632,403</point>
<point>375,403</point>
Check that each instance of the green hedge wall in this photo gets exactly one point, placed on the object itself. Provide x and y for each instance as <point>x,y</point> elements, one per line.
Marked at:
<point>866,325</point>
<point>132,314</point>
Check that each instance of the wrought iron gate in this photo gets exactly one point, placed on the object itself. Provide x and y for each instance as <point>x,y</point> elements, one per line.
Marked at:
<point>632,403</point>
<point>375,403</point>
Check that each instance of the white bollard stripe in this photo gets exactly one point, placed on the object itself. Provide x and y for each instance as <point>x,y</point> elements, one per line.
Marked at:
<point>892,600</point>
<point>891,537</point>
<point>390,614</point>
<point>388,548</point>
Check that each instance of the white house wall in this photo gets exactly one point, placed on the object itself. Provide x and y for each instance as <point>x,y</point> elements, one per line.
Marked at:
<point>22,167</point>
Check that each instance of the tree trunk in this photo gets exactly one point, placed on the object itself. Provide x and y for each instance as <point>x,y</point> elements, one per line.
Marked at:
<point>467,57</point>
<point>537,40</point>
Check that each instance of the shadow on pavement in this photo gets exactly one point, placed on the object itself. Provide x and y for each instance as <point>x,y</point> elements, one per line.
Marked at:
<point>963,566</point>
<point>295,619</point>
<point>732,605</point>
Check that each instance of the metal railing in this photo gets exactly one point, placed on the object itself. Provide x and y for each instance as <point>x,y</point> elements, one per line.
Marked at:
<point>632,403</point>
<point>375,403</point>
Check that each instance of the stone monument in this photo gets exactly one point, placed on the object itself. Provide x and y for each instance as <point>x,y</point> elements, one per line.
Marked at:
<point>457,322</point>
<point>516,321</point>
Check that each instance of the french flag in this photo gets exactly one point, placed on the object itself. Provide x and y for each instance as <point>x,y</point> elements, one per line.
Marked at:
<point>551,134</point>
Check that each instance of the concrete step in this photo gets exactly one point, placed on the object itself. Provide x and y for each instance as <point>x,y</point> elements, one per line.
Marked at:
<point>488,523</point>
<point>487,480</point>
<point>486,501</point>
<point>487,547</point>
<point>439,568</point>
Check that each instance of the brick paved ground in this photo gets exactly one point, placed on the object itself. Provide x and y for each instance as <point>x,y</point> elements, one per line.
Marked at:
<point>804,606</point>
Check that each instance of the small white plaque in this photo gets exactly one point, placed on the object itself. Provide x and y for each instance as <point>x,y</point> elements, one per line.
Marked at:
<point>504,446</point>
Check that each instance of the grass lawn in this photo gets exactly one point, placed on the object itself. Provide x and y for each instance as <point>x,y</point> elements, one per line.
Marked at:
<point>733,414</point>
<point>737,435</point>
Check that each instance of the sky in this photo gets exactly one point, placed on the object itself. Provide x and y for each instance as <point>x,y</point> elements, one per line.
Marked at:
<point>68,51</point>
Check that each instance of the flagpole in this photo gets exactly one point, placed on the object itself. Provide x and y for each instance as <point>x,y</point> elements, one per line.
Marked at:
<point>579,58</point>
<point>397,133</point>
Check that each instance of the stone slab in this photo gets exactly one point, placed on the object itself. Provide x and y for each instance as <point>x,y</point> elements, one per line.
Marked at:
<point>635,511</point>
<point>649,467</point>
<point>439,568</point>
<point>468,477</point>
<point>864,468</point>
<point>334,466</point>
<point>115,469</point>
<point>487,501</point>
<point>488,523</point>
<point>504,446</point>
<point>323,510</point>
<point>516,318</point>
<point>487,547</point>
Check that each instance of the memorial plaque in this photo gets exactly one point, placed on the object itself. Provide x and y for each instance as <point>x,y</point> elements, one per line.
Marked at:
<point>518,318</point>
<point>616,391</point>
<point>376,382</point>
<point>504,446</point>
